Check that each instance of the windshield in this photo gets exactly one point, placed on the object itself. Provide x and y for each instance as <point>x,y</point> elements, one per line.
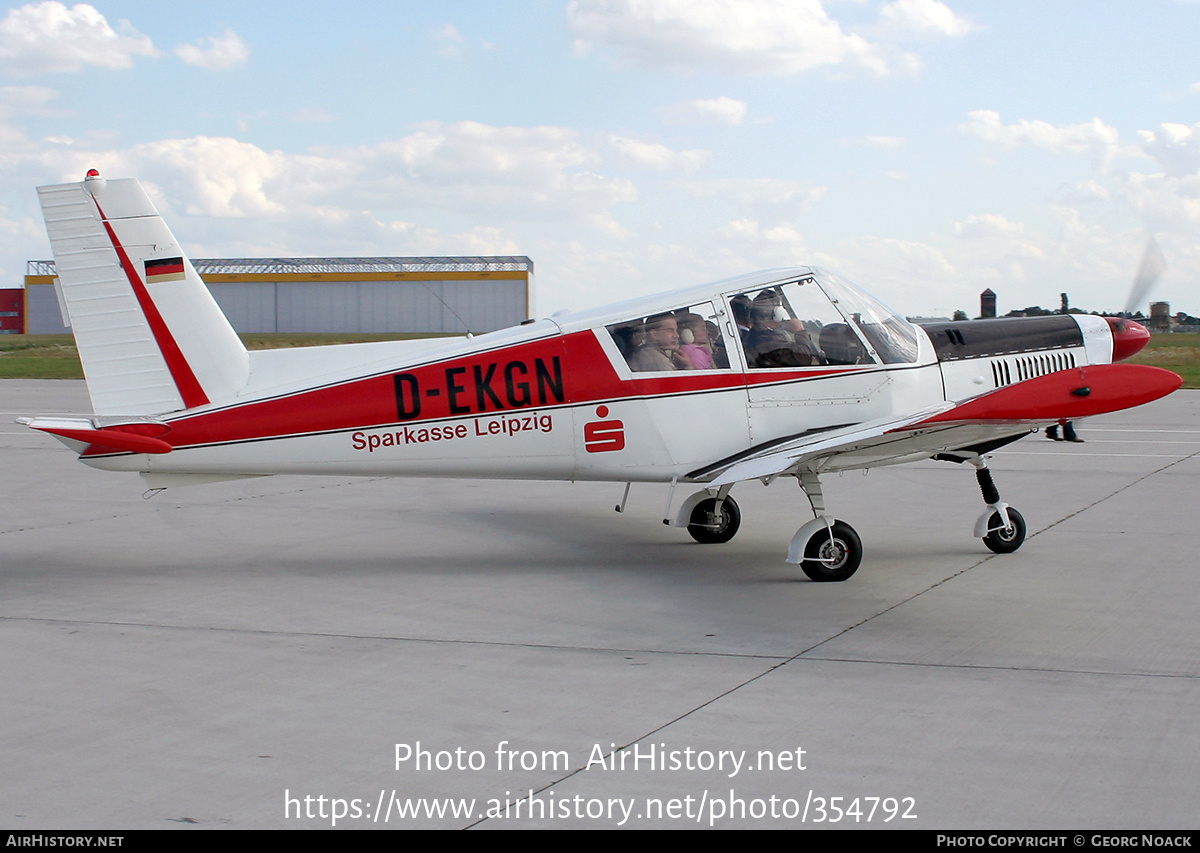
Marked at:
<point>892,337</point>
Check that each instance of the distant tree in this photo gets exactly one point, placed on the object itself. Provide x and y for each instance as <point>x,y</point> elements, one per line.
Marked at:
<point>960,316</point>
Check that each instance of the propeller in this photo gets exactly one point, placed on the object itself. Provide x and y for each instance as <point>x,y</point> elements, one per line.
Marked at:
<point>1152,267</point>
<point>1130,337</point>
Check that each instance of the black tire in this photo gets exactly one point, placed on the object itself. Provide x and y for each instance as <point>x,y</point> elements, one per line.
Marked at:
<point>711,528</point>
<point>832,554</point>
<point>1005,540</point>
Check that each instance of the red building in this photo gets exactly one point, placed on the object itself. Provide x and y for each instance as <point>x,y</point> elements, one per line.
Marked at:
<point>12,311</point>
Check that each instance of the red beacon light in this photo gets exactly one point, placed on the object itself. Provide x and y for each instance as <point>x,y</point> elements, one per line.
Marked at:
<point>93,183</point>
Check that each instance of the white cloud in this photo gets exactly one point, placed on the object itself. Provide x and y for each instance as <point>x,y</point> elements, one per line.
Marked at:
<point>923,18</point>
<point>783,234</point>
<point>450,42</point>
<point>1175,146</point>
<point>720,110</point>
<point>887,143</point>
<point>771,199</point>
<point>1164,202</point>
<point>313,114</point>
<point>47,36</point>
<point>483,240</point>
<point>25,100</point>
<point>987,225</point>
<point>211,176</point>
<point>656,156</point>
<point>510,172</point>
<point>751,36</point>
<point>1094,136</point>
<point>1000,244</point>
<point>215,53</point>
<point>922,257</point>
<point>462,173</point>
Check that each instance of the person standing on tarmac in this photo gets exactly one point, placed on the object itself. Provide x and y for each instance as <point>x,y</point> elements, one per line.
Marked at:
<point>1068,433</point>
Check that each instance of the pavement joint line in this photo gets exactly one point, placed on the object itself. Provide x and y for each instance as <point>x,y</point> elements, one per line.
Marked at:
<point>1050,670</point>
<point>780,658</point>
<point>384,638</point>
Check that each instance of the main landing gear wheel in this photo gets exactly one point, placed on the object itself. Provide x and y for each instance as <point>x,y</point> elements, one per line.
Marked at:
<point>833,553</point>
<point>710,527</point>
<point>1005,540</point>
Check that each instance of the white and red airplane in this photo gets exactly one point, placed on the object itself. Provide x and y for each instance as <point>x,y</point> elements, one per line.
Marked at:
<point>783,373</point>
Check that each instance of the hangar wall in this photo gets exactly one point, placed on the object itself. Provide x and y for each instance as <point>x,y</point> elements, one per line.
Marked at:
<point>342,295</point>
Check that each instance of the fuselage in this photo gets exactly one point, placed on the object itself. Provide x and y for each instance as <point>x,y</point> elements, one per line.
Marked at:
<point>614,394</point>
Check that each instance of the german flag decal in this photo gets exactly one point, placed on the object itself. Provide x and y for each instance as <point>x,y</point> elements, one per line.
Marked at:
<point>164,269</point>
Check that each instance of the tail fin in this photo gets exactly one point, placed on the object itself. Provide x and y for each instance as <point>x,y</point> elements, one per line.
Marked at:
<point>150,336</point>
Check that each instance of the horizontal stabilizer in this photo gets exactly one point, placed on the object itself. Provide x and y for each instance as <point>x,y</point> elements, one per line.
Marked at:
<point>84,435</point>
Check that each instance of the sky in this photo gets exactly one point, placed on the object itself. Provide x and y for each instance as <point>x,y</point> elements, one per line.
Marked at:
<point>926,150</point>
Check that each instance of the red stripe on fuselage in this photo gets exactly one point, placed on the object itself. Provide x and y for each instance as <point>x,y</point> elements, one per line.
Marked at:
<point>181,372</point>
<point>551,372</point>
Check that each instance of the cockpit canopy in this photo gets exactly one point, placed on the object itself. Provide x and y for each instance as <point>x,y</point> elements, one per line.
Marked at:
<point>818,319</point>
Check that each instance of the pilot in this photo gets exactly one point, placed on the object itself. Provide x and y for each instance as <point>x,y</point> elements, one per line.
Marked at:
<point>661,350</point>
<point>841,346</point>
<point>770,342</point>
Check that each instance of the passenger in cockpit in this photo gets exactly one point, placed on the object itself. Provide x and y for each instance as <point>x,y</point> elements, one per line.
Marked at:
<point>694,341</point>
<point>661,350</point>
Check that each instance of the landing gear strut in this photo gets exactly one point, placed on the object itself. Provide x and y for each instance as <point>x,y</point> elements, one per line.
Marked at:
<point>1000,527</point>
<point>826,549</point>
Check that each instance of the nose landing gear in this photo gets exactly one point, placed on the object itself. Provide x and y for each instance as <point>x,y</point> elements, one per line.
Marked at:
<point>1001,527</point>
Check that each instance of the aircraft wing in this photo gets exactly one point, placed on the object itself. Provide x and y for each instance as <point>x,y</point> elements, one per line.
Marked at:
<point>977,425</point>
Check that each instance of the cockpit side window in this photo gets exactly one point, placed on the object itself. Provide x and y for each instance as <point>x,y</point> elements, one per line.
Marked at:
<point>687,338</point>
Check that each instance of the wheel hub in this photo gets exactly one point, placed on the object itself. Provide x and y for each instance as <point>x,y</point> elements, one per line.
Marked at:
<point>833,553</point>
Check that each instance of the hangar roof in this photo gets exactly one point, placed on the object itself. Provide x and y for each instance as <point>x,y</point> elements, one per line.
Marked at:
<point>270,266</point>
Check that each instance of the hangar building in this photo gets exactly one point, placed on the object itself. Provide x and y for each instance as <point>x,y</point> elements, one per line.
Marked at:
<point>340,295</point>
